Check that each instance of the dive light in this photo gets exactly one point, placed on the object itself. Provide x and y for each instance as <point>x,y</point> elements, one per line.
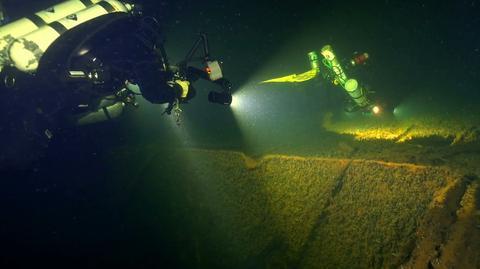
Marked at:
<point>221,98</point>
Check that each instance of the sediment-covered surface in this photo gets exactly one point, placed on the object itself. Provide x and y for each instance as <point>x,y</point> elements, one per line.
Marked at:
<point>458,129</point>
<point>228,210</point>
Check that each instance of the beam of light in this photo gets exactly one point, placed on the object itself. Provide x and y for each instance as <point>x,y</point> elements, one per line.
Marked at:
<point>244,103</point>
<point>254,112</point>
<point>245,106</point>
<point>294,78</point>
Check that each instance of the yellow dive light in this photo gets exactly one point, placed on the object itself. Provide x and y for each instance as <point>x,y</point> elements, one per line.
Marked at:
<point>314,64</point>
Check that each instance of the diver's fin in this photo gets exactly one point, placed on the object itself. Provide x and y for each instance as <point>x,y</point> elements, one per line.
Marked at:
<point>294,78</point>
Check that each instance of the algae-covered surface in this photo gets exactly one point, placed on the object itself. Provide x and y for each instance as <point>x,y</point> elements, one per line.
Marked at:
<point>417,119</point>
<point>283,211</point>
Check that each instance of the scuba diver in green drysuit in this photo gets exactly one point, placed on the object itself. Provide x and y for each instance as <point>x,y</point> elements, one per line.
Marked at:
<point>330,69</point>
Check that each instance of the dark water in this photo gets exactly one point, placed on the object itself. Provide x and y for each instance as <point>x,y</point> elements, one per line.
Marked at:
<point>74,202</point>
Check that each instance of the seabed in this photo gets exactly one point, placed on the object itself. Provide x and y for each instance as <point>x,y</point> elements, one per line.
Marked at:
<point>367,205</point>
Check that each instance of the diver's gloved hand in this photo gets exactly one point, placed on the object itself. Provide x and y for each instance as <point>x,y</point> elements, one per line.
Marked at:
<point>169,108</point>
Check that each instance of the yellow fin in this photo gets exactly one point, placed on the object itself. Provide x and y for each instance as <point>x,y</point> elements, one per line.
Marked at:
<point>294,78</point>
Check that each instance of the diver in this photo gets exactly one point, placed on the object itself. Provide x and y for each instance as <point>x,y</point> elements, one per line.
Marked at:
<point>174,83</point>
<point>330,69</point>
<point>81,62</point>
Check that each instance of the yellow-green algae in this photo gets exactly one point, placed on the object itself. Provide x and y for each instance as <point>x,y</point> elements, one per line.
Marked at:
<point>295,212</point>
<point>456,129</point>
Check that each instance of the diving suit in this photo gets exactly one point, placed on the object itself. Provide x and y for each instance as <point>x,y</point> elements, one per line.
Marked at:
<point>82,62</point>
<point>328,67</point>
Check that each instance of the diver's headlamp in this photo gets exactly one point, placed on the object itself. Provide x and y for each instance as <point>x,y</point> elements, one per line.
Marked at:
<point>222,98</point>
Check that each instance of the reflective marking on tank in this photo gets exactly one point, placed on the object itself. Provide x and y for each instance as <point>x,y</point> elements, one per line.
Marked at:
<point>58,27</point>
<point>107,6</point>
<point>34,48</point>
<point>39,22</point>
<point>87,3</point>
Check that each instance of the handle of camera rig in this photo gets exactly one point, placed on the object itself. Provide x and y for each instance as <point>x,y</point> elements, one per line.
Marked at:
<point>202,40</point>
<point>211,71</point>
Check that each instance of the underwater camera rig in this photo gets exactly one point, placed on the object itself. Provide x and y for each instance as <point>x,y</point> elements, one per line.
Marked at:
<point>211,71</point>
